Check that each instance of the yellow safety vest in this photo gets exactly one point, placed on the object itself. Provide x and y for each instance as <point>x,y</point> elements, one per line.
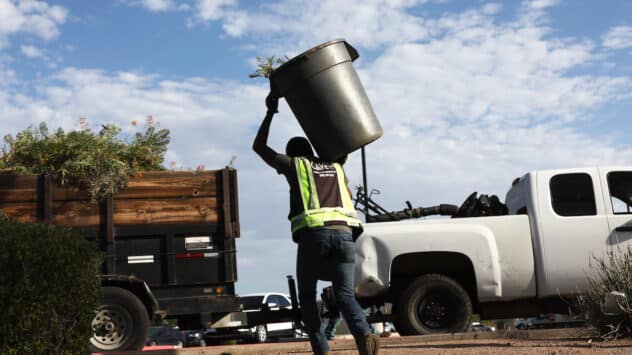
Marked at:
<point>313,215</point>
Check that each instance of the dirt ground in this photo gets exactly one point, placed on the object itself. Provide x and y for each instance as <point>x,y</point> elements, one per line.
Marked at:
<point>557,342</point>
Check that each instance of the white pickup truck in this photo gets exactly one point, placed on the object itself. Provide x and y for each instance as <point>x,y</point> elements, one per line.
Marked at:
<point>437,272</point>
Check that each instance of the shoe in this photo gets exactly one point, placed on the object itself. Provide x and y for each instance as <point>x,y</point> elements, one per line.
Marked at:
<point>369,344</point>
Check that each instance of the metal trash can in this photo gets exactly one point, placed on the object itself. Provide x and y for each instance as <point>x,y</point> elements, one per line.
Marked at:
<point>325,94</point>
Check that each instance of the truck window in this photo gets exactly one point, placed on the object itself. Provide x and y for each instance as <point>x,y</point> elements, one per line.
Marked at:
<point>573,195</point>
<point>620,186</point>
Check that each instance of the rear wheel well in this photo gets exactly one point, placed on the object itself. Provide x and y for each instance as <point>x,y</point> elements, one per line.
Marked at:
<point>407,267</point>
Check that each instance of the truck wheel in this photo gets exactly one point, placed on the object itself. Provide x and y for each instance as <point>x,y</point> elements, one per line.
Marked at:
<point>261,334</point>
<point>432,303</point>
<point>121,322</point>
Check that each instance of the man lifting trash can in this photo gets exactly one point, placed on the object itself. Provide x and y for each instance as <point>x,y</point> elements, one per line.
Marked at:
<point>325,94</point>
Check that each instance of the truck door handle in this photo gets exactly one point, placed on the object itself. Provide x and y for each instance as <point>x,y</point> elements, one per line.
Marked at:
<point>624,228</point>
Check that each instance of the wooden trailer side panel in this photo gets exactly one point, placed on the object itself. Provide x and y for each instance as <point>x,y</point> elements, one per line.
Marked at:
<point>207,197</point>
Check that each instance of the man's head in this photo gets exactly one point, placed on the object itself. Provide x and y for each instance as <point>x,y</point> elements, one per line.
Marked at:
<point>299,147</point>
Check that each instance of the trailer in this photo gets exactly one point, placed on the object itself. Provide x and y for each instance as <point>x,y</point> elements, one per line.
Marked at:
<point>169,240</point>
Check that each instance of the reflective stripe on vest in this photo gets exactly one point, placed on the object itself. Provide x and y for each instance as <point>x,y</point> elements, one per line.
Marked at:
<point>313,215</point>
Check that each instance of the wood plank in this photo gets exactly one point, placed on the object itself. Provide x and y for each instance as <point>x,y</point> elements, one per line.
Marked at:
<point>18,195</point>
<point>76,214</point>
<point>153,186</point>
<point>191,210</point>
<point>128,212</point>
<point>68,193</point>
<point>9,181</point>
<point>20,211</point>
<point>167,184</point>
<point>18,188</point>
<point>171,185</point>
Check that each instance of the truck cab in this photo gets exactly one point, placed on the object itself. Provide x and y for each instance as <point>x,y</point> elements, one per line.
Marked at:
<point>575,214</point>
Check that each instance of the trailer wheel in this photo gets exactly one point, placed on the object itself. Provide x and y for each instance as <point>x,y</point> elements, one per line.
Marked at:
<point>121,322</point>
<point>432,303</point>
<point>261,334</point>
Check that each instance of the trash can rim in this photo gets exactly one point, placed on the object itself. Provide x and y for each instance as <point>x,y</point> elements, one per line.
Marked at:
<point>306,53</point>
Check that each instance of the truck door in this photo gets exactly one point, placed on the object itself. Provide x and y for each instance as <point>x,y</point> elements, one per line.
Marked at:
<point>617,192</point>
<point>279,302</point>
<point>573,226</point>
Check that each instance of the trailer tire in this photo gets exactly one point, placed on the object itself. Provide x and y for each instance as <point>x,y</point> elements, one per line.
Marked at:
<point>121,322</point>
<point>432,303</point>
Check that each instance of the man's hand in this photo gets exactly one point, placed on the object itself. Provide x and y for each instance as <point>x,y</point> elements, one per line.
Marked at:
<point>272,102</point>
<point>260,144</point>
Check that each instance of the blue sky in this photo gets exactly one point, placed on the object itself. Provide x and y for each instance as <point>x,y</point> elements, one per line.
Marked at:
<point>470,93</point>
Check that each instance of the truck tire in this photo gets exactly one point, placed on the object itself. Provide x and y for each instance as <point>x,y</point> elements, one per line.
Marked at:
<point>121,322</point>
<point>432,303</point>
<point>261,334</point>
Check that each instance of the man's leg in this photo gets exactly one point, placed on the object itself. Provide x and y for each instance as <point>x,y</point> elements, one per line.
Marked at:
<point>343,283</point>
<point>308,263</point>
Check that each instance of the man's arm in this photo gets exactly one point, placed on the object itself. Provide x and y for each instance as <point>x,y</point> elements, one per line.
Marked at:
<point>260,144</point>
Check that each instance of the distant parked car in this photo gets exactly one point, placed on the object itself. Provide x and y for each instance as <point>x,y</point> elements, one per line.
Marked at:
<point>165,336</point>
<point>194,338</point>
<point>478,327</point>
<point>549,320</point>
<point>264,332</point>
<point>389,327</point>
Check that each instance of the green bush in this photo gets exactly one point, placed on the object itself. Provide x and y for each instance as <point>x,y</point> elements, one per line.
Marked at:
<point>100,163</point>
<point>612,273</point>
<point>49,289</point>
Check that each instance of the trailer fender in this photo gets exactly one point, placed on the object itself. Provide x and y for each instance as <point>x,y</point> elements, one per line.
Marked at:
<point>139,288</point>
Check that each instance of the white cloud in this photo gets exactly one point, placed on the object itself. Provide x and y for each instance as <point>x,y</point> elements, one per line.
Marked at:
<point>491,8</point>
<point>31,51</point>
<point>540,4</point>
<point>618,37</point>
<point>195,108</point>
<point>29,16</point>
<point>501,75</point>
<point>209,10</point>
<point>158,5</point>
<point>368,23</point>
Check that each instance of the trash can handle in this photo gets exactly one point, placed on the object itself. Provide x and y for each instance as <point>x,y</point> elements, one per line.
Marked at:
<point>353,53</point>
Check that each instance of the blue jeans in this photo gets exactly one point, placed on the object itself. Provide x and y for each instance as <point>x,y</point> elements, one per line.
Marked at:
<point>329,255</point>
